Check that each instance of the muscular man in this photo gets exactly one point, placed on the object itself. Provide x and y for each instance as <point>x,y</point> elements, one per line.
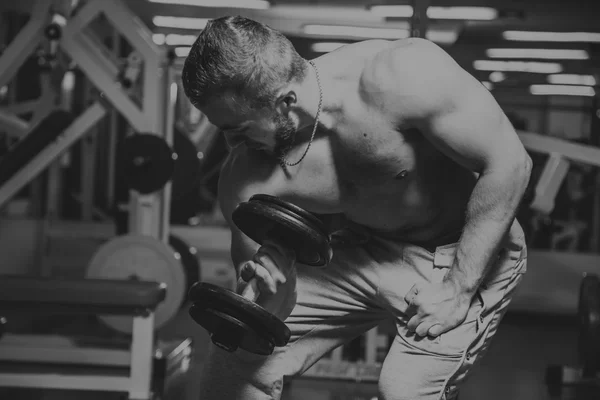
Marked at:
<point>403,152</point>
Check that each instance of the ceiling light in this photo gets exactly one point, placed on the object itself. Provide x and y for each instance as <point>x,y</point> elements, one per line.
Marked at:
<point>518,66</point>
<point>442,36</point>
<point>159,38</point>
<point>488,85</point>
<point>572,79</point>
<point>180,22</point>
<point>396,11</point>
<point>252,4</point>
<point>561,90</point>
<point>466,13</point>
<point>356,32</point>
<point>326,47</point>
<point>557,54</point>
<point>497,76</point>
<point>538,36</point>
<point>182,51</point>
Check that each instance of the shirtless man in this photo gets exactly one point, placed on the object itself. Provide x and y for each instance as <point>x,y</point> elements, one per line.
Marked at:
<point>423,173</point>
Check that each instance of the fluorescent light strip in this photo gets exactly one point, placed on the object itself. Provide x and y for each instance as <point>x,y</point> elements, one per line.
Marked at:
<point>550,54</point>
<point>356,32</point>
<point>497,76</point>
<point>488,85</point>
<point>518,66</point>
<point>397,11</point>
<point>464,13</point>
<point>250,4</point>
<point>572,79</point>
<point>182,51</point>
<point>326,47</point>
<point>561,90</point>
<point>539,36</point>
<point>180,22</point>
<point>442,37</point>
<point>467,13</point>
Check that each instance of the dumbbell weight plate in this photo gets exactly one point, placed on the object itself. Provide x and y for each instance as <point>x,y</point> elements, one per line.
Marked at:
<point>267,217</point>
<point>589,323</point>
<point>236,322</point>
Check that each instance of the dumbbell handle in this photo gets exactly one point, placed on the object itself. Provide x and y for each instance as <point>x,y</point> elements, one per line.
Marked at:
<point>251,291</point>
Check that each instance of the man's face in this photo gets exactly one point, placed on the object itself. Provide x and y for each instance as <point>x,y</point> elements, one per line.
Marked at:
<point>265,130</point>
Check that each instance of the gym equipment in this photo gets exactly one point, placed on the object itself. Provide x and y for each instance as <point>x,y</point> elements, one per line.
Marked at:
<point>588,373</point>
<point>136,366</point>
<point>147,161</point>
<point>141,258</point>
<point>235,321</point>
<point>589,324</point>
<point>187,256</point>
<point>40,136</point>
<point>186,173</point>
<point>265,216</point>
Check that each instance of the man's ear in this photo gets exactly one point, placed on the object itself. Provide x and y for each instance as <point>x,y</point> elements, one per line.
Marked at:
<point>287,101</point>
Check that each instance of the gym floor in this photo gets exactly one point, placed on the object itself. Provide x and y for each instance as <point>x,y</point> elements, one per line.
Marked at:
<point>513,369</point>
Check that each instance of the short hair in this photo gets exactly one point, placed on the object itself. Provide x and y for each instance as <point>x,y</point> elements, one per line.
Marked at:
<point>239,56</point>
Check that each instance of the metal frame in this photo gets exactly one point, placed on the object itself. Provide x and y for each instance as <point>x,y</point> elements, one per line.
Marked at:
<point>148,214</point>
<point>40,350</point>
<point>73,133</point>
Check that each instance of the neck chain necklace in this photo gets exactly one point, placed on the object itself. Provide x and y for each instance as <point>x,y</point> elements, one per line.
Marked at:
<point>284,162</point>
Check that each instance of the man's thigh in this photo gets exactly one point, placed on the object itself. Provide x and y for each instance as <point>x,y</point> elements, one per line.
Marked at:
<point>427,368</point>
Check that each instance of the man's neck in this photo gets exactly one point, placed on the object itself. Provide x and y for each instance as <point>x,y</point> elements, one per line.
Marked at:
<point>309,98</point>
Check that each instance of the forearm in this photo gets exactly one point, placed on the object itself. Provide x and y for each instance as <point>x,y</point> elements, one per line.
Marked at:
<point>490,213</point>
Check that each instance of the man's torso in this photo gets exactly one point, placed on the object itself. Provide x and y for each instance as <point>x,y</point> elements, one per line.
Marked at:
<point>375,171</point>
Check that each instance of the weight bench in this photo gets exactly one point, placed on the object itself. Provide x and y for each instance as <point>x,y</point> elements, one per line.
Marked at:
<point>59,362</point>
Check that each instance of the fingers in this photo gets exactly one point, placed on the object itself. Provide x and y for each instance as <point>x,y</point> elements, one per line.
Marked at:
<point>253,271</point>
<point>276,260</point>
<point>424,327</point>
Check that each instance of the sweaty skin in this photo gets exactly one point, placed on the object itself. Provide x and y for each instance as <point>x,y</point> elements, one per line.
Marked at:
<point>416,149</point>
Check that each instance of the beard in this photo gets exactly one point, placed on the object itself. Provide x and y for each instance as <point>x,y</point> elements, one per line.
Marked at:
<point>285,133</point>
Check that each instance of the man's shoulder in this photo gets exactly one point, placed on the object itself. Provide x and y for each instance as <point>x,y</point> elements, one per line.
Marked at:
<point>405,72</point>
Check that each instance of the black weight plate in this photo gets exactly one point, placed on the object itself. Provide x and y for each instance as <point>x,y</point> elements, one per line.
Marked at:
<point>189,261</point>
<point>303,214</point>
<point>261,221</point>
<point>230,333</point>
<point>589,320</point>
<point>147,162</point>
<point>208,296</point>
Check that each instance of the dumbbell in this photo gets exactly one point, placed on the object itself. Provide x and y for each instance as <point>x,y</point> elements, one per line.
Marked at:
<point>235,321</point>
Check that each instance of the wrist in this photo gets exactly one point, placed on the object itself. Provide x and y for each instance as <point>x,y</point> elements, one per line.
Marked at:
<point>462,286</point>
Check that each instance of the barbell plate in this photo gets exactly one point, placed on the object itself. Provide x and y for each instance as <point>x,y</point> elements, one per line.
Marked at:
<point>147,162</point>
<point>260,221</point>
<point>146,259</point>
<point>589,323</point>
